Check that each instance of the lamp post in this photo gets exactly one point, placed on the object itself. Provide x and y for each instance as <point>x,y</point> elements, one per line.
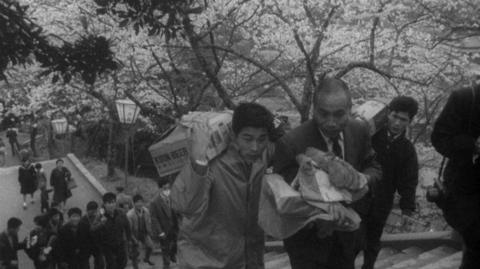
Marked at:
<point>60,127</point>
<point>127,114</point>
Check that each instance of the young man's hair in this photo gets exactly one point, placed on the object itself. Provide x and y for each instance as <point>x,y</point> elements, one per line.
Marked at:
<point>119,188</point>
<point>74,211</point>
<point>109,197</point>
<point>59,161</point>
<point>13,223</point>
<point>404,104</point>
<point>38,166</point>
<point>137,197</point>
<point>327,86</point>
<point>92,205</point>
<point>162,182</point>
<point>252,115</point>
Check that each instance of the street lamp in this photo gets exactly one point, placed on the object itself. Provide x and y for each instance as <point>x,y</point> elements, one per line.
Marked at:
<point>127,113</point>
<point>60,127</point>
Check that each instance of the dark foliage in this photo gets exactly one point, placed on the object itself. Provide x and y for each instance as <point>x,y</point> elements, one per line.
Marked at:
<point>19,36</point>
<point>89,57</point>
<point>158,16</point>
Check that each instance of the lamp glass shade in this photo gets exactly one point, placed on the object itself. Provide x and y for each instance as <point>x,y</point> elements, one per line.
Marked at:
<point>60,126</point>
<point>127,111</point>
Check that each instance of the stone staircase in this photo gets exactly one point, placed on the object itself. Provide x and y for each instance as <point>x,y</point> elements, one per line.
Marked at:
<point>442,257</point>
<point>438,250</point>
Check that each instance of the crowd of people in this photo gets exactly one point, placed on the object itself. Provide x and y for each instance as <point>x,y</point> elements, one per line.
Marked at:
<point>110,234</point>
<point>217,200</point>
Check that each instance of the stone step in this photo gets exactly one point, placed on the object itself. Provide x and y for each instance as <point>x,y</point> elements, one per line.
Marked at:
<point>403,255</point>
<point>384,253</point>
<point>425,258</point>
<point>271,256</point>
<point>279,262</point>
<point>450,262</point>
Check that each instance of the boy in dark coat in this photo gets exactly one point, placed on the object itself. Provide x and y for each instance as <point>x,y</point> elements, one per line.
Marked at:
<point>398,159</point>
<point>67,250</point>
<point>9,244</point>
<point>89,235</point>
<point>165,223</point>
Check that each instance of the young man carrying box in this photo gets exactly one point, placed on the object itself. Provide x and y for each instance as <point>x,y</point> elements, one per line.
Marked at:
<point>218,199</point>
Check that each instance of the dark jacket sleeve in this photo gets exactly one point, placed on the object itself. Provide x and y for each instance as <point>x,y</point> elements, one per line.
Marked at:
<point>370,166</point>
<point>284,162</point>
<point>408,181</point>
<point>53,180</point>
<point>449,136</point>
<point>156,216</point>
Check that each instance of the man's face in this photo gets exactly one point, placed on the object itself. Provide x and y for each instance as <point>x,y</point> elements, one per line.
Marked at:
<point>92,213</point>
<point>331,113</point>
<point>139,205</point>
<point>252,142</point>
<point>398,122</point>
<point>110,206</point>
<point>59,164</point>
<point>74,219</point>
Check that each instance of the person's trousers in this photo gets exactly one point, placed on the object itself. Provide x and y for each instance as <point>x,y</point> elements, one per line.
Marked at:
<point>307,251</point>
<point>462,212</point>
<point>15,146</point>
<point>98,259</point>
<point>169,249</point>
<point>115,257</point>
<point>371,231</point>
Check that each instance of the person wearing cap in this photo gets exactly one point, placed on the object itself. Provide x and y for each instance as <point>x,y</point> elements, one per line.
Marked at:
<point>124,201</point>
<point>89,235</point>
<point>398,159</point>
<point>333,130</point>
<point>9,244</point>
<point>218,199</point>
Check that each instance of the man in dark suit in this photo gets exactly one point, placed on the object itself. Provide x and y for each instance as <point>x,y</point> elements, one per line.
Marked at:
<point>331,130</point>
<point>456,135</point>
<point>9,244</point>
<point>164,223</point>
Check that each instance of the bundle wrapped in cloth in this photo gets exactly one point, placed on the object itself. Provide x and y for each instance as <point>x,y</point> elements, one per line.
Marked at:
<point>285,209</point>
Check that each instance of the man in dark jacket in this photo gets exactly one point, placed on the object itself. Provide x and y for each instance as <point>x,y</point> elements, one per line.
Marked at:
<point>67,249</point>
<point>116,233</point>
<point>89,235</point>
<point>9,244</point>
<point>456,135</point>
<point>13,140</point>
<point>331,130</point>
<point>164,223</point>
<point>398,159</point>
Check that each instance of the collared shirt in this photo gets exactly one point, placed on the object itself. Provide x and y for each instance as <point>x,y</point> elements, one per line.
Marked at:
<point>329,142</point>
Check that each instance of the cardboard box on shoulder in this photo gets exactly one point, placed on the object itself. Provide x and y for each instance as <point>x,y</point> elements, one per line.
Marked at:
<point>171,153</point>
<point>374,112</point>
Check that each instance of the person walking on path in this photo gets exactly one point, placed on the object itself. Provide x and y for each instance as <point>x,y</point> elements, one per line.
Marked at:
<point>3,152</point>
<point>13,140</point>
<point>164,223</point>
<point>42,186</point>
<point>28,181</point>
<point>59,181</point>
<point>9,245</point>
<point>89,234</point>
<point>141,227</point>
